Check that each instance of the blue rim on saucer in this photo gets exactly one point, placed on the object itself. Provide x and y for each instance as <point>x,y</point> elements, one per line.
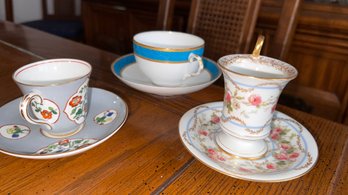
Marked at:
<point>129,59</point>
<point>124,65</point>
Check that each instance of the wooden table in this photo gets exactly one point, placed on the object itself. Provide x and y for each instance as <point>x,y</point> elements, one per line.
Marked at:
<point>146,155</point>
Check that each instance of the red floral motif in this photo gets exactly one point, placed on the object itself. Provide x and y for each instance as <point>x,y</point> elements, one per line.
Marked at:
<point>244,169</point>
<point>215,119</point>
<point>270,166</point>
<point>214,155</point>
<point>63,142</point>
<point>285,146</point>
<point>75,101</point>
<point>46,114</point>
<point>203,132</point>
<point>275,133</point>
<point>281,156</point>
<point>255,100</point>
<point>294,155</point>
<point>228,97</point>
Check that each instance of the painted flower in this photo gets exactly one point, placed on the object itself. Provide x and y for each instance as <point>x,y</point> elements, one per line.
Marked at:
<point>294,155</point>
<point>244,169</point>
<point>46,114</point>
<point>63,142</point>
<point>285,146</point>
<point>75,101</point>
<point>215,119</point>
<point>109,114</point>
<point>228,97</point>
<point>270,166</point>
<point>281,156</point>
<point>277,130</point>
<point>203,132</point>
<point>214,155</point>
<point>211,151</point>
<point>255,100</point>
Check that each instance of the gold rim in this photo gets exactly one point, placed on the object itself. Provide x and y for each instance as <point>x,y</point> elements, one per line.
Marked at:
<point>290,77</point>
<point>52,84</point>
<point>167,49</point>
<point>238,176</point>
<point>52,135</point>
<point>240,157</point>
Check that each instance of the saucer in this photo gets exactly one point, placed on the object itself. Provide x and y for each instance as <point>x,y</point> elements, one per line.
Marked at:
<point>126,69</point>
<point>22,139</point>
<point>292,150</point>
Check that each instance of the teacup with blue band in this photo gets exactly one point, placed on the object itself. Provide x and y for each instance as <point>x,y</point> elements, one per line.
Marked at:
<point>167,58</point>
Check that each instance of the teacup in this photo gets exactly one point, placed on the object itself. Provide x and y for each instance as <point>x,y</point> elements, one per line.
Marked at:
<point>253,85</point>
<point>167,58</point>
<point>55,95</point>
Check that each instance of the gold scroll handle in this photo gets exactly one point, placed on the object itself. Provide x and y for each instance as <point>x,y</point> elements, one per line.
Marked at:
<point>258,46</point>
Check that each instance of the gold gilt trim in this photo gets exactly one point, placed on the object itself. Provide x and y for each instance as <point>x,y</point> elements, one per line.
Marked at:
<point>240,157</point>
<point>284,67</point>
<point>167,49</point>
<point>14,75</point>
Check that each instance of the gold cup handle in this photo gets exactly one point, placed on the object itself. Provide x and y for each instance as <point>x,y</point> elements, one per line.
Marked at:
<point>258,46</point>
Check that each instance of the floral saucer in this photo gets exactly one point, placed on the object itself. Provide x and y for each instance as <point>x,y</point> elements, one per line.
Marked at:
<point>292,151</point>
<point>126,69</point>
<point>21,139</point>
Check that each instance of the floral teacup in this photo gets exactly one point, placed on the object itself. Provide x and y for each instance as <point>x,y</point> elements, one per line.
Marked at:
<point>55,95</point>
<point>253,85</point>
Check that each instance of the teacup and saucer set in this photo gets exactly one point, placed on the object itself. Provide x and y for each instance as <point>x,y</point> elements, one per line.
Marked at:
<point>166,63</point>
<point>58,115</point>
<point>244,136</point>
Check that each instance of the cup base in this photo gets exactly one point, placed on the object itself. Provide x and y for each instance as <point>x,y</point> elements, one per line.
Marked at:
<point>241,148</point>
<point>62,135</point>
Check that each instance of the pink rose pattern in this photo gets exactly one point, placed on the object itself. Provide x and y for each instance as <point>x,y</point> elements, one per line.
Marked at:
<point>233,101</point>
<point>284,155</point>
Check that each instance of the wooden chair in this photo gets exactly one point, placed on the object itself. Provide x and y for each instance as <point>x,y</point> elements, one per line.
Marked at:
<point>227,26</point>
<point>9,10</point>
<point>63,20</point>
<point>296,94</point>
<point>165,14</point>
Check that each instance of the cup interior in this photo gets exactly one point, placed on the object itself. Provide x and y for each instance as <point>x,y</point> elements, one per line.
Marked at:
<point>52,72</point>
<point>261,67</point>
<point>168,39</point>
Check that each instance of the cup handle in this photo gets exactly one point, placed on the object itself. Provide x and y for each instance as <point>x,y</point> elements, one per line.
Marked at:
<point>24,107</point>
<point>194,57</point>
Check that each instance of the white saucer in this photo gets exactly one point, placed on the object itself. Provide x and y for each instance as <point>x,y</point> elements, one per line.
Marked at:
<point>21,139</point>
<point>125,69</point>
<point>292,150</point>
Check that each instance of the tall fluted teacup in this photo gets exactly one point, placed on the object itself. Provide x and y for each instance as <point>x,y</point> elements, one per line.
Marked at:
<point>253,85</point>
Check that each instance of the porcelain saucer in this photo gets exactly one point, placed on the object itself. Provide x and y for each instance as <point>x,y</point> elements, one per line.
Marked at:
<point>292,150</point>
<point>107,113</point>
<point>126,69</point>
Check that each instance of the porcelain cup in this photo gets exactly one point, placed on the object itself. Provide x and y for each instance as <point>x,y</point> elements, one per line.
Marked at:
<point>167,58</point>
<point>55,95</point>
<point>252,88</point>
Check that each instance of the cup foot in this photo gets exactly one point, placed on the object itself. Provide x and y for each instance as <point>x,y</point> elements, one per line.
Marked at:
<point>242,148</point>
<point>62,135</point>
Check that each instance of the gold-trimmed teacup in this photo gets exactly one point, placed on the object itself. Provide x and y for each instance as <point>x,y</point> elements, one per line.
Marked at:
<point>253,84</point>
<point>55,95</point>
<point>167,58</point>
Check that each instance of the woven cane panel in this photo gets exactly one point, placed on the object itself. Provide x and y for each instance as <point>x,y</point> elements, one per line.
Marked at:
<point>220,24</point>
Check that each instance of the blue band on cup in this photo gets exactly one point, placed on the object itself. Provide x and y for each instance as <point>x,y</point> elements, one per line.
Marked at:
<point>165,56</point>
